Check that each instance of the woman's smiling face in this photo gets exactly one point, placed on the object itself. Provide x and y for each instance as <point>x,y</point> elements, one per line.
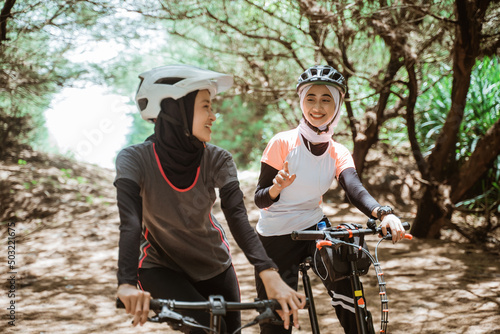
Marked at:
<point>318,106</point>
<point>203,116</point>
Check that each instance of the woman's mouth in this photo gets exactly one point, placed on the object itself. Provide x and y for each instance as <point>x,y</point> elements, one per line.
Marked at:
<point>316,116</point>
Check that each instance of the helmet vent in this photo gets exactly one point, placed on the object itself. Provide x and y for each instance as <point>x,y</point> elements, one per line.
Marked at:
<point>168,81</point>
<point>337,76</point>
<point>143,103</point>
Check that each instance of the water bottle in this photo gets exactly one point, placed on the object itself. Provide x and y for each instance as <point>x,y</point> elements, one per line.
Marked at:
<point>321,225</point>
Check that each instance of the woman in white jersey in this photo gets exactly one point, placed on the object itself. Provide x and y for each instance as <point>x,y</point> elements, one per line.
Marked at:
<point>171,245</point>
<point>297,168</point>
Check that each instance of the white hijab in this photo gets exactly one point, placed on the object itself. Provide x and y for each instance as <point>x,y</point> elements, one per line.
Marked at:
<point>326,129</point>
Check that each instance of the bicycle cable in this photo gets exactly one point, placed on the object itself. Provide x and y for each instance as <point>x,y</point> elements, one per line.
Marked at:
<point>384,301</point>
<point>267,316</point>
<point>316,267</point>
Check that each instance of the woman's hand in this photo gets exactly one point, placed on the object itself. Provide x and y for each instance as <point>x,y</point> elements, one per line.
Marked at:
<point>282,180</point>
<point>136,302</point>
<point>397,230</point>
<point>290,300</point>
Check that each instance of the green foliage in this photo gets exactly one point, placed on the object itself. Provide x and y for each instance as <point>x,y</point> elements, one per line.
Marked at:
<point>239,130</point>
<point>433,106</point>
<point>140,130</point>
<point>41,36</point>
<point>27,88</point>
<point>483,107</point>
<point>33,67</point>
<point>28,185</point>
<point>481,112</point>
<point>67,173</point>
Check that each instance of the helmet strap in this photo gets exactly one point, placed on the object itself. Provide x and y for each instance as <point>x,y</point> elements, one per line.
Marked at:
<point>175,121</point>
<point>317,130</point>
<point>187,132</point>
<point>196,142</point>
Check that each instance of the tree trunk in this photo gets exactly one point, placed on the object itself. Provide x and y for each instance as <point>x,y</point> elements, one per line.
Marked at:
<point>428,211</point>
<point>487,150</point>
<point>5,14</point>
<point>436,205</point>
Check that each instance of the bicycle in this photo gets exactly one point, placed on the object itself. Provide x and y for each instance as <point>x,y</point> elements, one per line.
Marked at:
<point>167,312</point>
<point>330,237</point>
<point>167,309</point>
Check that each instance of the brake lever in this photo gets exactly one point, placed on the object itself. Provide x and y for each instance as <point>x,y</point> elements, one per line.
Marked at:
<point>175,320</point>
<point>268,317</point>
<point>168,315</point>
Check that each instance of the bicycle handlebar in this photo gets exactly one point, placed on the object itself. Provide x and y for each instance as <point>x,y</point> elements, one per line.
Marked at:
<point>342,233</point>
<point>166,310</point>
<point>172,304</point>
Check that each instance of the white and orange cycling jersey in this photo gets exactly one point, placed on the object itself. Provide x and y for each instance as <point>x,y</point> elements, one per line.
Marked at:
<point>299,205</point>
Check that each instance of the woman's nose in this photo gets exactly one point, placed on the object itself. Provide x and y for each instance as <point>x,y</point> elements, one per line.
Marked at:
<point>211,115</point>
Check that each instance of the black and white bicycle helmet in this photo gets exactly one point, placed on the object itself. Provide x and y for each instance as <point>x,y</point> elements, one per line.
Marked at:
<point>323,74</point>
<point>175,81</point>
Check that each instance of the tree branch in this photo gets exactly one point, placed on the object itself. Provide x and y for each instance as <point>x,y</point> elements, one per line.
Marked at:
<point>273,15</point>
<point>410,118</point>
<point>5,14</point>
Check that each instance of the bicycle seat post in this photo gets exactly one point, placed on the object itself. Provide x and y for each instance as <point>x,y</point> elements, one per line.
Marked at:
<point>303,268</point>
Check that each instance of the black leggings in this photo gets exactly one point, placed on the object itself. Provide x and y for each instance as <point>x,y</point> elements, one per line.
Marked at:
<point>288,254</point>
<point>168,284</point>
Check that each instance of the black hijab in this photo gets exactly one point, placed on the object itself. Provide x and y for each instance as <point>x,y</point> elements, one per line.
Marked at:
<point>179,151</point>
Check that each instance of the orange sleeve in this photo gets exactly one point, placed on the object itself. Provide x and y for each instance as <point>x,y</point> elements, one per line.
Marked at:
<point>343,159</point>
<point>275,153</point>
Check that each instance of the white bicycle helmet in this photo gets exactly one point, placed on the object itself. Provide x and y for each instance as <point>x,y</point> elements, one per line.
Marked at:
<point>175,81</point>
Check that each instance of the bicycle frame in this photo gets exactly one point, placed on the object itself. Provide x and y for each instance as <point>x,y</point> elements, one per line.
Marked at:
<point>359,303</point>
<point>363,316</point>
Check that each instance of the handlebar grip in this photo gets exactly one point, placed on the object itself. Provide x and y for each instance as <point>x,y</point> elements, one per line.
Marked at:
<point>154,304</point>
<point>119,303</point>
<point>307,235</point>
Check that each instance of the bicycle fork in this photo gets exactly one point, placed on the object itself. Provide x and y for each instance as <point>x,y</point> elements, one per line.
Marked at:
<point>303,268</point>
<point>363,316</point>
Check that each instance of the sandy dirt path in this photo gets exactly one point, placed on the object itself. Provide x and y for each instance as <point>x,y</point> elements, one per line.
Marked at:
<point>66,255</point>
